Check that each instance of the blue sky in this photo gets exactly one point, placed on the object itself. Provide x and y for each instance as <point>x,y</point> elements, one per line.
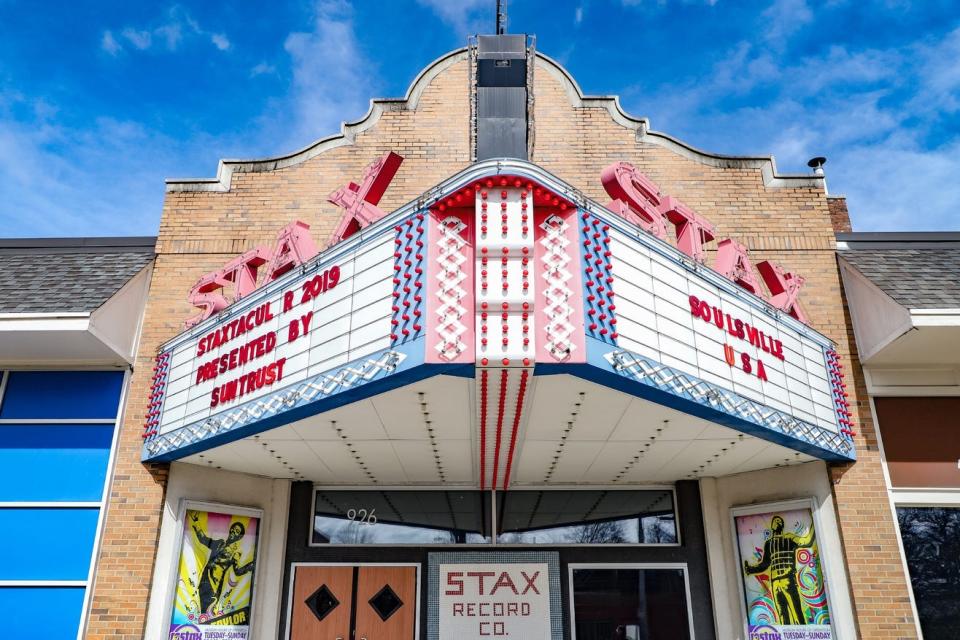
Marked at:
<point>100,101</point>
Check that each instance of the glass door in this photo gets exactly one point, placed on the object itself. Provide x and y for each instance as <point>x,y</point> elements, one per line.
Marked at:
<point>632,602</point>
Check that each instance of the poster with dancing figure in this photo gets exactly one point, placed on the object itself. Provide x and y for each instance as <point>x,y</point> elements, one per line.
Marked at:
<point>214,576</point>
<point>784,587</point>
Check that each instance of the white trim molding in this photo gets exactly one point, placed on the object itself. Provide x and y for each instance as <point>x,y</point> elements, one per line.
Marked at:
<point>73,584</point>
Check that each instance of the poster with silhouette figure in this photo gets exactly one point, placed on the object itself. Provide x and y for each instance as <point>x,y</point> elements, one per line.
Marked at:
<point>783,582</point>
<point>215,576</point>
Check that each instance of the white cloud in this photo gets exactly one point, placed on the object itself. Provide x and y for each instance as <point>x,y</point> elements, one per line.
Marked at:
<point>105,176</point>
<point>170,33</point>
<point>262,69</point>
<point>109,44</point>
<point>100,177</point>
<point>220,41</point>
<point>578,15</point>
<point>896,184</point>
<point>331,76</point>
<point>872,112</point>
<point>97,180</point>
<point>784,18</point>
<point>466,17</point>
<point>139,39</point>
<point>662,3</point>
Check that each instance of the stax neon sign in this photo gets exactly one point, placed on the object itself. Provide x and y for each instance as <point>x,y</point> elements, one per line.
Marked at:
<point>294,246</point>
<point>637,199</point>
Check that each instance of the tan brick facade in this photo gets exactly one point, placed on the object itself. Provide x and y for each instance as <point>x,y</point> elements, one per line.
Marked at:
<point>575,139</point>
<point>839,214</point>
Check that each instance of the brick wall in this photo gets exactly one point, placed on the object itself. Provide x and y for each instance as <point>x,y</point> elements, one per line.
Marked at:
<point>200,230</point>
<point>839,215</point>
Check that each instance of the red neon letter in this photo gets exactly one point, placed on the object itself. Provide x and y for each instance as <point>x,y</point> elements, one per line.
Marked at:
<point>733,262</point>
<point>241,272</point>
<point>359,201</point>
<point>294,247</point>
<point>206,295</point>
<point>784,289</point>
<point>693,230</point>
<point>635,197</point>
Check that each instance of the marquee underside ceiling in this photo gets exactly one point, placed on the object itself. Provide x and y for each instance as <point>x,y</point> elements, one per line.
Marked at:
<point>572,432</point>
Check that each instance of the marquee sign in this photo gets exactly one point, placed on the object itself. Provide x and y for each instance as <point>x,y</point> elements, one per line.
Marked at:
<point>501,274</point>
<point>332,318</point>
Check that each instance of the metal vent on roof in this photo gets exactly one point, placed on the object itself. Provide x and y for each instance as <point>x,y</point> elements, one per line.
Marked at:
<point>501,99</point>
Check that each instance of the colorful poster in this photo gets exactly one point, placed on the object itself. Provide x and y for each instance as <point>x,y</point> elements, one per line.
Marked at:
<point>783,581</point>
<point>215,577</point>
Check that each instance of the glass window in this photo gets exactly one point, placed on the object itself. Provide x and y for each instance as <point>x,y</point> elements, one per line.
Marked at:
<point>931,540</point>
<point>630,604</point>
<point>401,517</point>
<point>51,613</point>
<point>58,395</point>
<point>586,517</point>
<point>53,462</point>
<point>46,544</point>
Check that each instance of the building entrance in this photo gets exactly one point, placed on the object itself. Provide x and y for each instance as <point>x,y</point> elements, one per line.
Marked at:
<point>531,563</point>
<point>353,602</point>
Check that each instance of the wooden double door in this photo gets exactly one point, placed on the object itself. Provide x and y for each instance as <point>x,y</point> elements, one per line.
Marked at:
<point>353,602</point>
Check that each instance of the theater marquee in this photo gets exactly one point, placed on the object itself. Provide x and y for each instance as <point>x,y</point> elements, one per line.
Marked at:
<point>500,274</point>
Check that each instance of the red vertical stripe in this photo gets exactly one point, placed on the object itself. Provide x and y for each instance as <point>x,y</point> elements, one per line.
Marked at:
<point>496,452</point>
<point>516,426</point>
<point>483,429</point>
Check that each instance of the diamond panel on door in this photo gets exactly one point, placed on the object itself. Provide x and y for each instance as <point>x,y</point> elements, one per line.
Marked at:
<point>321,603</point>
<point>386,603</point>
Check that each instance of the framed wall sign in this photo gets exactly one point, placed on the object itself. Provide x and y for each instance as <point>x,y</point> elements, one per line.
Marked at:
<point>782,578</point>
<point>479,595</point>
<point>216,565</point>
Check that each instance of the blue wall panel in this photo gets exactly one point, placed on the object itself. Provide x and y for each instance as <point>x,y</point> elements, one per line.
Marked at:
<point>58,462</point>
<point>61,394</point>
<point>46,544</point>
<point>50,613</point>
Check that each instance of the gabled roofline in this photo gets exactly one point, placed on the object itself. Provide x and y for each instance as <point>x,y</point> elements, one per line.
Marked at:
<point>766,164</point>
<point>78,245</point>
<point>347,135</point>
<point>899,240</point>
<point>641,125</point>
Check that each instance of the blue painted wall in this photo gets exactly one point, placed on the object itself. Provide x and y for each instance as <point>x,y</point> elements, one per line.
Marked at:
<point>56,432</point>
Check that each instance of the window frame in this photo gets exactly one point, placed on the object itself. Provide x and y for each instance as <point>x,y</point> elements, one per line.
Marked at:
<point>173,562</point>
<point>571,567</point>
<point>317,488</point>
<point>946,498</point>
<point>117,422</point>
<point>782,505</point>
